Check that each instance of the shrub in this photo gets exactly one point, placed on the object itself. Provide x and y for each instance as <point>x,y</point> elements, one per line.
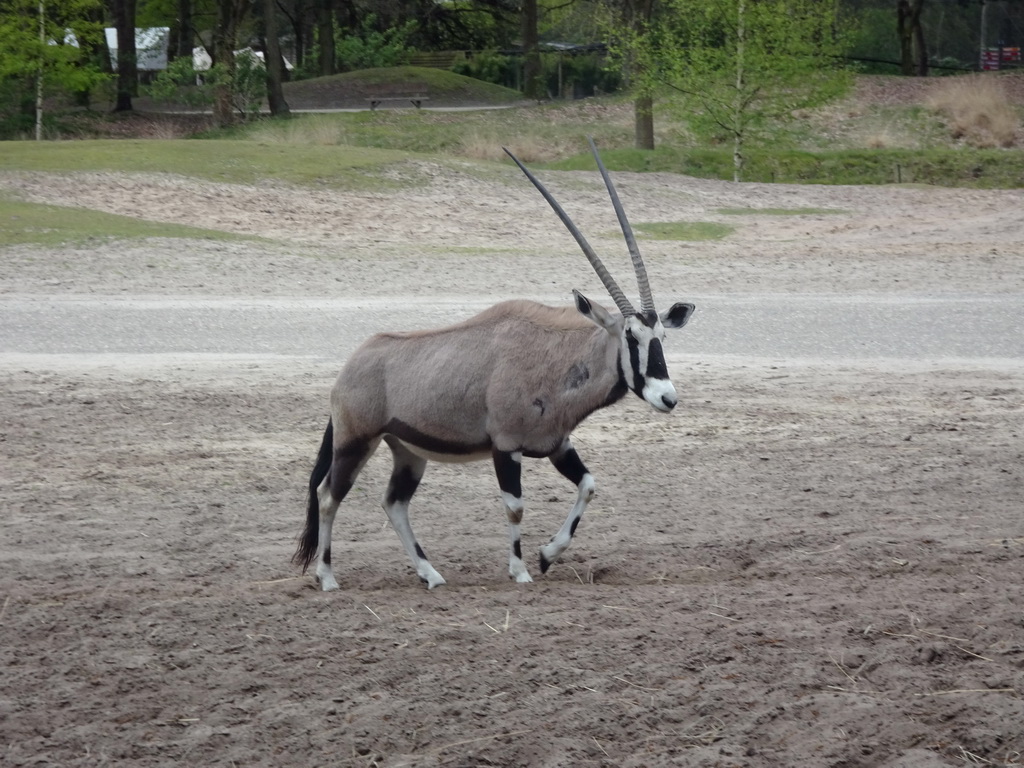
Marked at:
<point>489,66</point>
<point>368,48</point>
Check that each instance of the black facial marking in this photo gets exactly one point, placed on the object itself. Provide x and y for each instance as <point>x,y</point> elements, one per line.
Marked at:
<point>570,466</point>
<point>402,486</point>
<point>419,552</point>
<point>517,550</point>
<point>413,436</point>
<point>634,363</point>
<point>509,472</point>
<point>648,318</point>
<point>578,374</point>
<point>656,368</point>
<point>327,556</point>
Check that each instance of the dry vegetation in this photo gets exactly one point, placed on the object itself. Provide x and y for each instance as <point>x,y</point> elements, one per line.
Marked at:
<point>484,144</point>
<point>978,109</point>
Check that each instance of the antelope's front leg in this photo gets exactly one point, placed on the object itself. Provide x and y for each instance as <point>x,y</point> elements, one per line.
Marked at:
<point>508,465</point>
<point>568,462</point>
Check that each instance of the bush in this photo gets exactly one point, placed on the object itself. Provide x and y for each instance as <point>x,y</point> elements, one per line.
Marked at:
<point>182,84</point>
<point>368,48</point>
<point>491,67</point>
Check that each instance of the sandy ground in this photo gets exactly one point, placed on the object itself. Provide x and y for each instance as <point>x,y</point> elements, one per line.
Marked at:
<point>808,563</point>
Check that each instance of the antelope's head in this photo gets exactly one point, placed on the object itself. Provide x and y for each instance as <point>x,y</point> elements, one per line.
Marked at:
<point>640,333</point>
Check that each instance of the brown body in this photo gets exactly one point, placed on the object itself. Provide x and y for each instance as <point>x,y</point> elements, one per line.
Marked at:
<point>486,383</point>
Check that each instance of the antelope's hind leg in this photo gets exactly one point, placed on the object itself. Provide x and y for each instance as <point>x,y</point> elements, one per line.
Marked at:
<point>568,463</point>
<point>348,461</point>
<point>405,479</point>
<point>508,466</point>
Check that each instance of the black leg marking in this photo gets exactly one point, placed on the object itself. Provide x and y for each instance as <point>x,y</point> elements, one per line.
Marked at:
<point>517,549</point>
<point>572,528</point>
<point>403,484</point>
<point>509,472</point>
<point>419,552</point>
<point>347,462</point>
<point>327,556</point>
<point>544,563</point>
<point>570,465</point>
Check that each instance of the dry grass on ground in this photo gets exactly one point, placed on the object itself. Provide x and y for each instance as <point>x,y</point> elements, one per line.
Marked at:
<point>978,109</point>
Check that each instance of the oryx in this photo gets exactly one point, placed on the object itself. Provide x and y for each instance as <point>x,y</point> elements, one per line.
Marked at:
<point>513,381</point>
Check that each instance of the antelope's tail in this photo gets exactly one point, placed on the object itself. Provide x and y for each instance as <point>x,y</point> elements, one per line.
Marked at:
<point>306,550</point>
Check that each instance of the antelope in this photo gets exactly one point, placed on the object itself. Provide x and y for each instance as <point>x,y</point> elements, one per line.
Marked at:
<point>514,381</point>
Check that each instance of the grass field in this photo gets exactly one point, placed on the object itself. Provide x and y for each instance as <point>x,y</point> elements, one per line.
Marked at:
<point>961,132</point>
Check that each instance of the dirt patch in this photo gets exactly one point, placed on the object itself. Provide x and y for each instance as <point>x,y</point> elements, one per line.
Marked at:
<point>806,564</point>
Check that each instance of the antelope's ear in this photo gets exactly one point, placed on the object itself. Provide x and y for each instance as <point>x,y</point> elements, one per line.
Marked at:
<point>595,313</point>
<point>677,315</point>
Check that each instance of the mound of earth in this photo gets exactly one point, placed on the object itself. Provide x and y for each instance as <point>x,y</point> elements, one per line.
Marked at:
<point>353,90</point>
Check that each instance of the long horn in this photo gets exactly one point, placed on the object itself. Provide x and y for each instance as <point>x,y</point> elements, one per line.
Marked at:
<point>602,272</point>
<point>646,299</point>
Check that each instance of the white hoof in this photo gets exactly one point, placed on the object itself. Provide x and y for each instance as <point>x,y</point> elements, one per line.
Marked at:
<point>327,583</point>
<point>428,575</point>
<point>435,582</point>
<point>517,571</point>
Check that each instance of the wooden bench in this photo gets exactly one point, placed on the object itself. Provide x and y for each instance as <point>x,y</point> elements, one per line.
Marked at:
<point>413,93</point>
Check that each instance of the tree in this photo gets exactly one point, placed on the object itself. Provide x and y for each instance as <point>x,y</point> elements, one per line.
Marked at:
<point>633,41</point>
<point>38,52</point>
<point>533,88</point>
<point>230,15</point>
<point>325,36</point>
<point>741,64</point>
<point>273,60</point>
<point>913,51</point>
<point>123,12</point>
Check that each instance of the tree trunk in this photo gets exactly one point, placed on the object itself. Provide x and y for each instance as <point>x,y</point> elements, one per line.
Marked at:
<point>643,119</point>
<point>39,75</point>
<point>229,16</point>
<point>184,34</point>
<point>911,35</point>
<point>123,12</point>
<point>533,88</point>
<point>638,16</point>
<point>738,116</point>
<point>325,36</point>
<point>920,46</point>
<point>274,62</point>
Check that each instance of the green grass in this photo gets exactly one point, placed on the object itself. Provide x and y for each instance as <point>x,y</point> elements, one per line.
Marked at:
<point>358,149</point>
<point>981,168</point>
<point>233,161</point>
<point>684,230</point>
<point>30,223</point>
